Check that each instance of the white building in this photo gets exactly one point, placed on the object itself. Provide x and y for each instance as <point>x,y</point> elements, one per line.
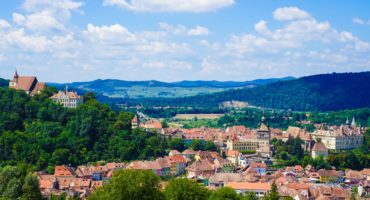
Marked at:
<point>347,136</point>
<point>67,99</point>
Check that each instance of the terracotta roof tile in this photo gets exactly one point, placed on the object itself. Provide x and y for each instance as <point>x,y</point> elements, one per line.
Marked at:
<point>249,186</point>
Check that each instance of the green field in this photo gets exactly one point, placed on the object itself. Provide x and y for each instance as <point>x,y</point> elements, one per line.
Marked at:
<point>169,92</point>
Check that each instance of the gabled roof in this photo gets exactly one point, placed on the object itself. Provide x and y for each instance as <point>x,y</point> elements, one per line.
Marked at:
<point>201,165</point>
<point>63,170</point>
<point>319,146</point>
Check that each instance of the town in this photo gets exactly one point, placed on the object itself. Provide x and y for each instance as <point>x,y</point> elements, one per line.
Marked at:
<point>239,157</point>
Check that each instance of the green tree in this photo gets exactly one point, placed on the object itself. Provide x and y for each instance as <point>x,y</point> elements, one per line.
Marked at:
<point>31,189</point>
<point>184,189</point>
<point>273,194</point>
<point>130,185</point>
<point>250,196</point>
<point>210,146</point>
<point>197,145</point>
<point>178,144</point>
<point>89,96</point>
<point>225,193</point>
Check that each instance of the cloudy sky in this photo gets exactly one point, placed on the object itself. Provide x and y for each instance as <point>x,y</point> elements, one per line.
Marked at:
<point>171,40</point>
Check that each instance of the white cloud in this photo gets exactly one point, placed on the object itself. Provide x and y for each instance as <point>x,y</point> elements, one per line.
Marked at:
<point>170,6</point>
<point>199,30</point>
<point>62,8</point>
<point>290,13</point>
<point>299,30</point>
<point>209,66</point>
<point>115,34</point>
<point>261,26</point>
<point>183,30</point>
<point>361,21</point>
<point>18,18</point>
<point>4,24</point>
<point>41,21</point>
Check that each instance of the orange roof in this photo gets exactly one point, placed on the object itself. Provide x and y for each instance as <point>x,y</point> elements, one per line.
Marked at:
<point>258,165</point>
<point>319,147</point>
<point>233,153</point>
<point>249,186</point>
<point>28,84</point>
<point>63,170</point>
<point>176,159</point>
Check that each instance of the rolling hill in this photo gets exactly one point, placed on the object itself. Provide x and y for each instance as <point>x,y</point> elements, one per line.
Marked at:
<point>4,83</point>
<point>324,92</point>
<point>144,89</point>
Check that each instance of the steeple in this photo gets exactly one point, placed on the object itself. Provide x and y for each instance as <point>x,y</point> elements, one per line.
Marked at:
<point>15,77</point>
<point>347,121</point>
<point>353,123</point>
<point>263,122</point>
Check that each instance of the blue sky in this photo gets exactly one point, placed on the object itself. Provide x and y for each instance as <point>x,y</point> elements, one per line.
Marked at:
<point>75,40</point>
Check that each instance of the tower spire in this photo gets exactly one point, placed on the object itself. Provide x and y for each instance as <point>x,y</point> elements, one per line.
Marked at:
<point>16,74</point>
<point>353,123</point>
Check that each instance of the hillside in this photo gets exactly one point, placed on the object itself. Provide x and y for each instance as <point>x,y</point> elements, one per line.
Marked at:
<point>4,83</point>
<point>144,89</point>
<point>318,92</point>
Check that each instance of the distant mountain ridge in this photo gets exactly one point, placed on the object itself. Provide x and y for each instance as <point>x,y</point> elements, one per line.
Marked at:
<point>152,88</point>
<point>99,83</point>
<point>324,92</point>
<point>4,82</point>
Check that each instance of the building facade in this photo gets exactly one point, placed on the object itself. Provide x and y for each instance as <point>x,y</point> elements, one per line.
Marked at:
<point>347,136</point>
<point>67,99</point>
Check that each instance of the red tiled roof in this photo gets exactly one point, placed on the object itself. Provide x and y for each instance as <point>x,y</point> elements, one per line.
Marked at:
<point>176,159</point>
<point>319,147</point>
<point>63,170</point>
<point>258,165</point>
<point>249,186</point>
<point>233,153</point>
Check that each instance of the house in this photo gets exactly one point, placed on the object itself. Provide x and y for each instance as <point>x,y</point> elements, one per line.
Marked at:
<point>178,164</point>
<point>84,171</point>
<point>47,182</point>
<point>297,132</point>
<point>29,84</point>
<point>259,188</point>
<point>353,177</point>
<point>152,126</point>
<point>319,149</point>
<point>233,156</point>
<point>223,165</point>
<point>259,168</point>
<point>328,176</point>
<point>220,179</point>
<point>327,192</point>
<point>67,99</point>
<point>189,153</point>
<point>165,166</point>
<point>63,171</point>
<point>201,168</point>
<point>174,152</point>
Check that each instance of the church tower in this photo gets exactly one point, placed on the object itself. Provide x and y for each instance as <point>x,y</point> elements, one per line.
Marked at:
<point>14,82</point>
<point>263,132</point>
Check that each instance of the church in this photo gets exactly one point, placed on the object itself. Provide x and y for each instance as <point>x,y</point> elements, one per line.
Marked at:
<point>29,84</point>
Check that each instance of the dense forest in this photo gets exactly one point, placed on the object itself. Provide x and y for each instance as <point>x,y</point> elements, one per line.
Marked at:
<point>326,92</point>
<point>37,131</point>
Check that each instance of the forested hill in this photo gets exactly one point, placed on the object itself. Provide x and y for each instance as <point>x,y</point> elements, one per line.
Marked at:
<point>3,82</point>
<point>323,92</point>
